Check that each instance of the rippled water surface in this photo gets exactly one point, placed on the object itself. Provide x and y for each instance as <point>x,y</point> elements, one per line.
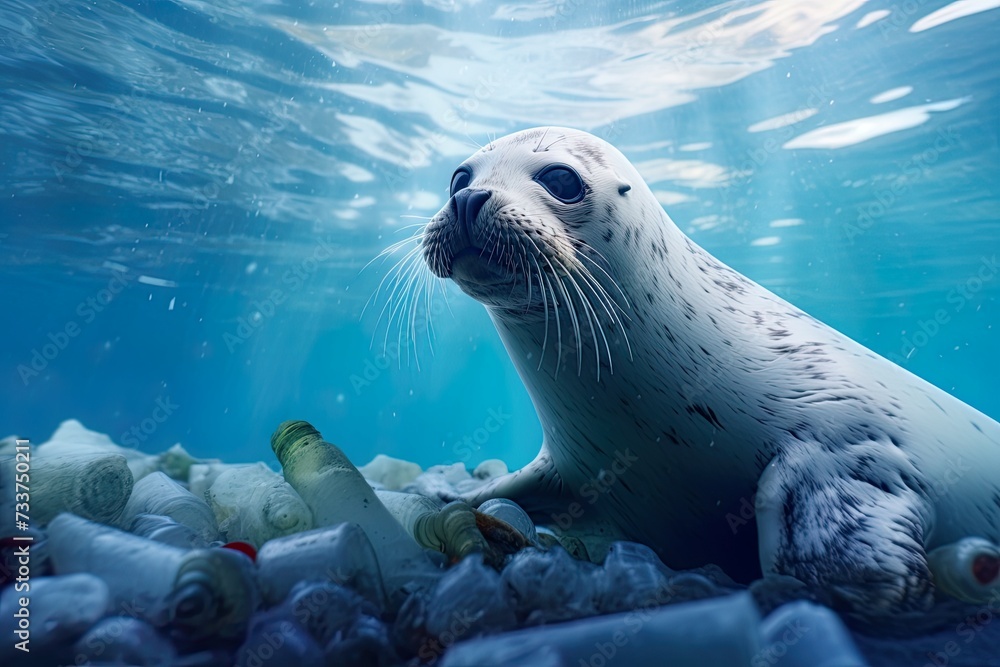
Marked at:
<point>191,190</point>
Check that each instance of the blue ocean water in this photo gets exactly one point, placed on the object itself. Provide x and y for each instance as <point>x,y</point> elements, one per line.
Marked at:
<point>190,193</point>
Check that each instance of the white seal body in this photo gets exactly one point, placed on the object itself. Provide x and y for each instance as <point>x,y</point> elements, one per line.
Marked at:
<point>667,383</point>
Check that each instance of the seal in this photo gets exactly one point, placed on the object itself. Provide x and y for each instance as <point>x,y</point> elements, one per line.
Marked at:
<point>681,402</point>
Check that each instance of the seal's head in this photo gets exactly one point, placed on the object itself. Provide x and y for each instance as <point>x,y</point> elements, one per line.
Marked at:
<point>531,219</point>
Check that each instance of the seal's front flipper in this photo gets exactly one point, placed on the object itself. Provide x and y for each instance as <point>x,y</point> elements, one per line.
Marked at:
<point>850,522</point>
<point>580,526</point>
<point>968,569</point>
<point>536,487</point>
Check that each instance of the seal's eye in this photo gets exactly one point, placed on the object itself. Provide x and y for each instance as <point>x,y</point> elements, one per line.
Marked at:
<point>562,182</point>
<point>460,180</point>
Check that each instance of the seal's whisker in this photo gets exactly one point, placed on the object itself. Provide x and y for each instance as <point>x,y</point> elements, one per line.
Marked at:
<point>513,283</point>
<point>511,257</point>
<point>431,280</point>
<point>569,309</point>
<point>400,292</point>
<point>523,265</point>
<point>511,262</point>
<point>395,247</point>
<point>490,239</point>
<point>474,142</point>
<point>562,138</point>
<point>444,294</point>
<point>591,315</point>
<point>607,275</point>
<point>417,276</point>
<point>606,300</point>
<point>393,274</point>
<point>595,322</point>
<point>527,277</point>
<point>408,314</point>
<point>403,316</point>
<point>576,325</point>
<point>391,249</point>
<point>555,307</point>
<point>412,303</point>
<point>545,306</point>
<point>384,255</point>
<point>427,292</point>
<point>398,313</point>
<point>542,282</point>
<point>602,297</point>
<point>584,244</point>
<point>615,306</point>
<point>541,139</point>
<point>406,265</point>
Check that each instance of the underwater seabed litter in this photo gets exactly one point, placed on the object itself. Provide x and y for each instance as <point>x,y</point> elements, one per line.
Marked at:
<point>140,559</point>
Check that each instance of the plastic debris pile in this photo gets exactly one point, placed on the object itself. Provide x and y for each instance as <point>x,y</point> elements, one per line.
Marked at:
<point>165,560</point>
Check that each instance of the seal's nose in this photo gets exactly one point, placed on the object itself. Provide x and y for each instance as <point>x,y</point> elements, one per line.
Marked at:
<point>466,205</point>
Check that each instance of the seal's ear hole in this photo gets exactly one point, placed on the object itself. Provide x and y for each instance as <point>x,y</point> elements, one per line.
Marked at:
<point>623,188</point>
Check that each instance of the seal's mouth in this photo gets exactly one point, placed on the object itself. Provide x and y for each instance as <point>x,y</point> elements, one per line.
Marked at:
<point>472,265</point>
<point>468,251</point>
